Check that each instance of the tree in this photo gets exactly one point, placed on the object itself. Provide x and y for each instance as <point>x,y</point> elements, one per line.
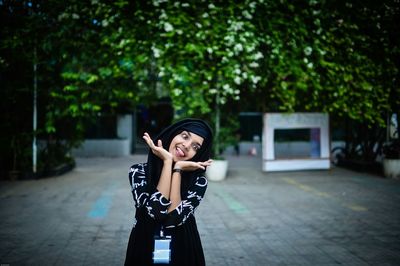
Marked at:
<point>262,55</point>
<point>205,54</point>
<point>84,69</point>
<point>318,58</point>
<point>21,51</point>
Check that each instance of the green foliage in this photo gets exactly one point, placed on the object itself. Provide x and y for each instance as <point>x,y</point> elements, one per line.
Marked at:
<point>205,50</point>
<point>276,56</point>
<point>255,55</point>
<point>205,54</point>
<point>318,58</point>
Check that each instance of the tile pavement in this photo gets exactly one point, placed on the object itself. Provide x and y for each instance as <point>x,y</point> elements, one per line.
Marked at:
<point>335,217</point>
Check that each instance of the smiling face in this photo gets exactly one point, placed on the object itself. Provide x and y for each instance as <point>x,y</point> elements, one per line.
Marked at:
<point>185,145</point>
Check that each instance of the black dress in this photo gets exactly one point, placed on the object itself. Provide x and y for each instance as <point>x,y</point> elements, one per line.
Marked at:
<point>151,214</point>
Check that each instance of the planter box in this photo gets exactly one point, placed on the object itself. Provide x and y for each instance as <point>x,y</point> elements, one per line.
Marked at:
<point>59,170</point>
<point>391,168</point>
<point>103,148</point>
<point>217,170</point>
<point>361,166</point>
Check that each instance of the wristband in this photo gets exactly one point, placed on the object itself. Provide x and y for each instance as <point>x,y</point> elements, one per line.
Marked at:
<point>177,170</point>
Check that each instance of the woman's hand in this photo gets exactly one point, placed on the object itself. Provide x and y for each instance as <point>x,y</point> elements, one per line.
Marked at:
<point>192,166</point>
<point>158,150</point>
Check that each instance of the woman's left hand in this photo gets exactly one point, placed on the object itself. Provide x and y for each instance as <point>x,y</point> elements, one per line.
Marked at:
<point>192,166</point>
<point>158,149</point>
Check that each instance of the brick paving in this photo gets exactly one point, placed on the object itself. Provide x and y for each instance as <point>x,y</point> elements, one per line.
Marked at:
<point>335,217</point>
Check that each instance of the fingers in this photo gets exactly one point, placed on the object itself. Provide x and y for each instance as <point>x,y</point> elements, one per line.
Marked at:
<point>192,166</point>
<point>148,140</point>
<point>206,163</point>
<point>203,165</point>
<point>146,137</point>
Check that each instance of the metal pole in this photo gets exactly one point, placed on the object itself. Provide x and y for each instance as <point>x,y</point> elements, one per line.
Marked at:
<point>34,145</point>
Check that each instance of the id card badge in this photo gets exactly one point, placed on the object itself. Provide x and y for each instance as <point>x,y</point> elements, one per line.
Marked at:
<point>162,250</point>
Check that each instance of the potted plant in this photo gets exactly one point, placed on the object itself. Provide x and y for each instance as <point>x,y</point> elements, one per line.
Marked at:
<point>218,170</point>
<point>208,64</point>
<point>391,161</point>
<point>223,136</point>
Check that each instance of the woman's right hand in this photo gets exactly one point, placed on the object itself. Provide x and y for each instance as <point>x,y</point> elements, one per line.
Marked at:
<point>158,149</point>
<point>192,166</point>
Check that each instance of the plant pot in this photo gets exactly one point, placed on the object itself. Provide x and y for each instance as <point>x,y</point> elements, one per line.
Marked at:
<point>391,168</point>
<point>217,170</point>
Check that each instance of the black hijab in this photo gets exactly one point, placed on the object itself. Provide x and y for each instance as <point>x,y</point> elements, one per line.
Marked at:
<point>193,125</point>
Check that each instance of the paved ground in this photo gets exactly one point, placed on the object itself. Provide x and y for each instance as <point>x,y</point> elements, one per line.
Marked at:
<point>84,217</point>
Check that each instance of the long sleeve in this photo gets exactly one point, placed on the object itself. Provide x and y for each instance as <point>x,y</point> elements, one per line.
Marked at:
<point>190,201</point>
<point>145,196</point>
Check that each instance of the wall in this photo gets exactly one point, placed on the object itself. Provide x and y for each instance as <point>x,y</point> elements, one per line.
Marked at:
<point>120,146</point>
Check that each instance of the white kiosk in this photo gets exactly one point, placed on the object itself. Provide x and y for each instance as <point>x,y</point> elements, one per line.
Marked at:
<point>319,155</point>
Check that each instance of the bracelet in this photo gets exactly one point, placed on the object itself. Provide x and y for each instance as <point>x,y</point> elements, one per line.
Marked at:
<point>177,170</point>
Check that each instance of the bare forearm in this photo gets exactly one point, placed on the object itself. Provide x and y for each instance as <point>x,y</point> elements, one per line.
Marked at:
<point>175,195</point>
<point>164,184</point>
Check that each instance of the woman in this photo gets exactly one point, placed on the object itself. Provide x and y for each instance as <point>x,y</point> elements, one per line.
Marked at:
<point>166,190</point>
